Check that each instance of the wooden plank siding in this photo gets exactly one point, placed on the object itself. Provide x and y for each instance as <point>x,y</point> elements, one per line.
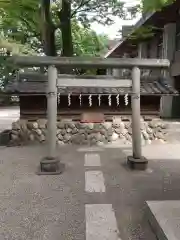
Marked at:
<point>33,107</point>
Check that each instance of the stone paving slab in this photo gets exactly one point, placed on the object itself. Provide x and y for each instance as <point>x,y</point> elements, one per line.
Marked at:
<point>164,217</point>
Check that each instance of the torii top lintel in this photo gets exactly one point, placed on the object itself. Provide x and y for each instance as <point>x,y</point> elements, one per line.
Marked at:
<point>87,63</point>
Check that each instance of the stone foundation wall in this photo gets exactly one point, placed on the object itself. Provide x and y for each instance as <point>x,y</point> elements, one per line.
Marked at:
<point>71,132</point>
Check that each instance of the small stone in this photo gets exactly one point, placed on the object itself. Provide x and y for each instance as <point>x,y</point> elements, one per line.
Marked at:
<point>164,126</point>
<point>71,125</point>
<point>103,138</point>
<point>121,136</point>
<point>38,131</point>
<point>93,141</point>
<point>154,123</point>
<point>30,125</point>
<point>122,125</point>
<point>105,132</point>
<point>116,122</point>
<point>98,136</point>
<point>109,132</point>
<point>28,132</point>
<point>145,135</point>
<point>149,130</point>
<point>159,129</point>
<point>74,131</point>
<point>117,130</point>
<point>100,143</point>
<point>128,125</point>
<point>82,125</point>
<point>142,125</point>
<point>63,132</point>
<point>14,137</point>
<point>128,137</point>
<point>90,125</point>
<point>114,137</point>
<point>78,125</point>
<point>35,125</point>
<point>78,139</point>
<point>61,125</point>
<point>124,132</point>
<point>160,135</point>
<point>58,132</point>
<point>99,127</point>
<point>91,136</point>
<point>60,137</point>
<point>107,125</point>
<point>15,132</point>
<point>151,136</point>
<point>68,130</point>
<point>130,130</point>
<point>44,132</point>
<point>120,129</point>
<point>42,138</point>
<point>15,125</point>
<point>23,124</point>
<point>148,118</point>
<point>67,137</point>
<point>42,123</point>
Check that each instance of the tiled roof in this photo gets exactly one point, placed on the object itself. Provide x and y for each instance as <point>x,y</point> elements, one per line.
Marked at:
<point>156,87</point>
<point>157,19</point>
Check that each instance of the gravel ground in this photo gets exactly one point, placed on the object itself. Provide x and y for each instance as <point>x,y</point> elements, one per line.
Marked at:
<point>53,207</point>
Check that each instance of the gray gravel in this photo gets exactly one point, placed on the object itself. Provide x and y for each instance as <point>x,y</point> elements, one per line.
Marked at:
<point>52,207</point>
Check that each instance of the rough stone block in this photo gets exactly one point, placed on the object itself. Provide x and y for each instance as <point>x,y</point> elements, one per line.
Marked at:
<point>42,123</point>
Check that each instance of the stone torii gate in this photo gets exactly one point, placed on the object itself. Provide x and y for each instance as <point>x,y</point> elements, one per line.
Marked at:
<point>50,164</point>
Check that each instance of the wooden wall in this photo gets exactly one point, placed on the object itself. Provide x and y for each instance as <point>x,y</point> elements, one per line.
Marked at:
<point>34,107</point>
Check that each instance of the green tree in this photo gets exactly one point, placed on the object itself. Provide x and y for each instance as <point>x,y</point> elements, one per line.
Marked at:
<point>20,37</point>
<point>45,18</point>
<point>154,5</point>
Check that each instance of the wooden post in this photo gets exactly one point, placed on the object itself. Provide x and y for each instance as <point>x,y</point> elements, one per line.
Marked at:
<point>136,161</point>
<point>50,165</point>
<point>142,50</point>
<point>169,45</point>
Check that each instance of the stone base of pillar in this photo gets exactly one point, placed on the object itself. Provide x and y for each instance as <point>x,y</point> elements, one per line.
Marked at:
<point>137,164</point>
<point>50,166</point>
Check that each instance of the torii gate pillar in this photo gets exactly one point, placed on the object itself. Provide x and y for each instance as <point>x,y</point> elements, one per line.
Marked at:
<point>50,165</point>
<point>136,161</point>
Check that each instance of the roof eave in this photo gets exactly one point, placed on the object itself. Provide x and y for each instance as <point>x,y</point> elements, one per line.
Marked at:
<point>140,23</point>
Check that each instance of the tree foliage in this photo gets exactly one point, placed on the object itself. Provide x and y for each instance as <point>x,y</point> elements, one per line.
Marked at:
<point>154,5</point>
<point>147,31</point>
<point>43,19</point>
<point>22,30</point>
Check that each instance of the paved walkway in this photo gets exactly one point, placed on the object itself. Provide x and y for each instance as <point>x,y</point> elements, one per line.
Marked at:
<point>96,197</point>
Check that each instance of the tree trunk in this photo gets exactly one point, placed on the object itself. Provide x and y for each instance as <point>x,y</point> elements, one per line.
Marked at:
<point>47,29</point>
<point>65,21</point>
